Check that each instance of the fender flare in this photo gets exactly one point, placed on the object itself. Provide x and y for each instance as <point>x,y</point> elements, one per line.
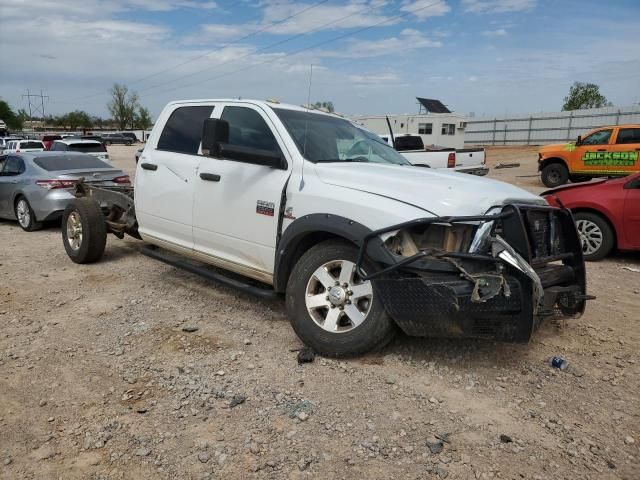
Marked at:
<point>549,160</point>
<point>323,224</point>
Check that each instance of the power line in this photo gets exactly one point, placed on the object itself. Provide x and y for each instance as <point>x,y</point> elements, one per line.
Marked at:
<point>296,52</point>
<point>198,57</point>
<point>266,47</point>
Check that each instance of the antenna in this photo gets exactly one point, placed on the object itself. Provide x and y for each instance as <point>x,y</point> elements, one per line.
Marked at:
<point>306,129</point>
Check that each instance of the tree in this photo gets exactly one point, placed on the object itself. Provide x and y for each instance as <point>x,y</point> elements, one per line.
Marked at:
<point>143,119</point>
<point>13,121</point>
<point>328,106</point>
<point>76,119</point>
<point>123,105</point>
<point>584,95</point>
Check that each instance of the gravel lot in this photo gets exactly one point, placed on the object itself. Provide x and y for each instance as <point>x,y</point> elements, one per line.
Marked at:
<point>132,369</point>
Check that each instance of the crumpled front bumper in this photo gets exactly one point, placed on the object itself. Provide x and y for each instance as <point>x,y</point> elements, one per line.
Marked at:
<point>532,269</point>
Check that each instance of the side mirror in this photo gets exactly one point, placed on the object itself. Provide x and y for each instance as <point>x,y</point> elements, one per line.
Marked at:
<point>579,140</point>
<point>214,132</point>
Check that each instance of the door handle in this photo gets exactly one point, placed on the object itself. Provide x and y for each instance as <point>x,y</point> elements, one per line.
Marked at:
<point>210,177</point>
<point>149,166</point>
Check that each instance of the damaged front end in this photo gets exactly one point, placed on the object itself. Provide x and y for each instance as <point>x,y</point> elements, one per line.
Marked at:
<point>496,276</point>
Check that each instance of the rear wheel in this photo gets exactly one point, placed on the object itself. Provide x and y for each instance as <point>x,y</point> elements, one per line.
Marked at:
<point>554,175</point>
<point>26,217</point>
<point>84,232</point>
<point>331,308</point>
<point>596,236</point>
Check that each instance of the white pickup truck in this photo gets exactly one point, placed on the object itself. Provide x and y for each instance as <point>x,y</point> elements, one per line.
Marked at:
<point>306,205</point>
<point>466,160</point>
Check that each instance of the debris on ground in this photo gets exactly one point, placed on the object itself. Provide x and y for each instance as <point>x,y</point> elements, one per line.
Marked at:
<point>506,438</point>
<point>507,165</point>
<point>237,400</point>
<point>190,328</point>
<point>435,446</point>
<point>306,355</point>
<point>632,269</point>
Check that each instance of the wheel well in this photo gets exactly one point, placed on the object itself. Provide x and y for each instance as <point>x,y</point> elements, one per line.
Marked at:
<point>549,161</point>
<point>302,244</point>
<point>593,211</point>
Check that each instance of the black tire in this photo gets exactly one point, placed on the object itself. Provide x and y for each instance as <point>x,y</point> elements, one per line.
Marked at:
<point>107,143</point>
<point>554,175</point>
<point>376,330</point>
<point>92,227</point>
<point>128,144</point>
<point>27,222</point>
<point>585,220</point>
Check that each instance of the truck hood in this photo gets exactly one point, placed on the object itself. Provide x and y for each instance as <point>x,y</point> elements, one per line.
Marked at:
<point>439,192</point>
<point>557,147</point>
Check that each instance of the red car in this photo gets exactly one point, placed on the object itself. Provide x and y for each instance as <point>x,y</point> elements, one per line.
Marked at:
<point>49,139</point>
<point>607,213</point>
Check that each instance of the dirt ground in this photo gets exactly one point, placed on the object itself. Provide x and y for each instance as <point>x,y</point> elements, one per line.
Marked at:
<point>100,380</point>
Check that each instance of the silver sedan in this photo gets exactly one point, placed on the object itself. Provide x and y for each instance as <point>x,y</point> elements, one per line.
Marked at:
<point>36,187</point>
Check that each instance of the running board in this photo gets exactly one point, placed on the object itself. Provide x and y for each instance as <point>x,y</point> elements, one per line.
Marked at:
<point>205,272</point>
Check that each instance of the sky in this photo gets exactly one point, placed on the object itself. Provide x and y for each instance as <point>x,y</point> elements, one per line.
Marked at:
<point>486,57</point>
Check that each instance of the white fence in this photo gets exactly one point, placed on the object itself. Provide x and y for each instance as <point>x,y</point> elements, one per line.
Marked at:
<point>541,128</point>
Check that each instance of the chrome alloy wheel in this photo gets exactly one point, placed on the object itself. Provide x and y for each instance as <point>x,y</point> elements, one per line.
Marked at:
<point>591,236</point>
<point>74,230</point>
<point>337,299</point>
<point>23,213</point>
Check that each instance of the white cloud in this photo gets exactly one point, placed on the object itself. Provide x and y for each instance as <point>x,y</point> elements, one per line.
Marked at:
<point>498,6</point>
<point>217,32</point>
<point>501,32</point>
<point>408,40</point>
<point>333,17</point>
<point>426,8</point>
<point>374,79</point>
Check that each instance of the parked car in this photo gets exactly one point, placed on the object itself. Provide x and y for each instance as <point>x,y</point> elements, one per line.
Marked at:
<point>138,153</point>
<point>49,139</point>
<point>116,138</point>
<point>131,135</point>
<point>467,160</point>
<point>604,152</point>
<point>24,146</point>
<point>357,243</point>
<point>4,141</point>
<point>90,147</point>
<point>606,212</point>
<point>37,186</point>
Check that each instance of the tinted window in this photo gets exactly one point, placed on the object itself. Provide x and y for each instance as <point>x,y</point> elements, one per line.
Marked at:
<point>13,166</point>
<point>87,147</point>
<point>628,135</point>
<point>31,145</point>
<point>409,143</point>
<point>597,138</point>
<point>183,131</point>
<point>58,147</point>
<point>69,162</point>
<point>248,129</point>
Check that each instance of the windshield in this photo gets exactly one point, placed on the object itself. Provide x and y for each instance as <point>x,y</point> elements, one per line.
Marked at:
<point>87,147</point>
<point>54,163</point>
<point>322,138</point>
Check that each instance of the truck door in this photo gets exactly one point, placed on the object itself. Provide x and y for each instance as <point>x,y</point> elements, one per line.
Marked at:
<point>631,220</point>
<point>237,204</point>
<point>626,150</point>
<point>591,156</point>
<point>166,176</point>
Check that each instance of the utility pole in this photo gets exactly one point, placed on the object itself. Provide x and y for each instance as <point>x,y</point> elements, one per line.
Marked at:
<point>35,106</point>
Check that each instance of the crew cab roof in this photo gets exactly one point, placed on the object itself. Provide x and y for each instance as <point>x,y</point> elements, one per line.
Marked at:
<point>259,103</point>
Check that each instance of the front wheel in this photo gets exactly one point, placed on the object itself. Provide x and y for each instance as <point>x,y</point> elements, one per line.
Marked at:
<point>596,236</point>
<point>331,308</point>
<point>554,175</point>
<point>84,231</point>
